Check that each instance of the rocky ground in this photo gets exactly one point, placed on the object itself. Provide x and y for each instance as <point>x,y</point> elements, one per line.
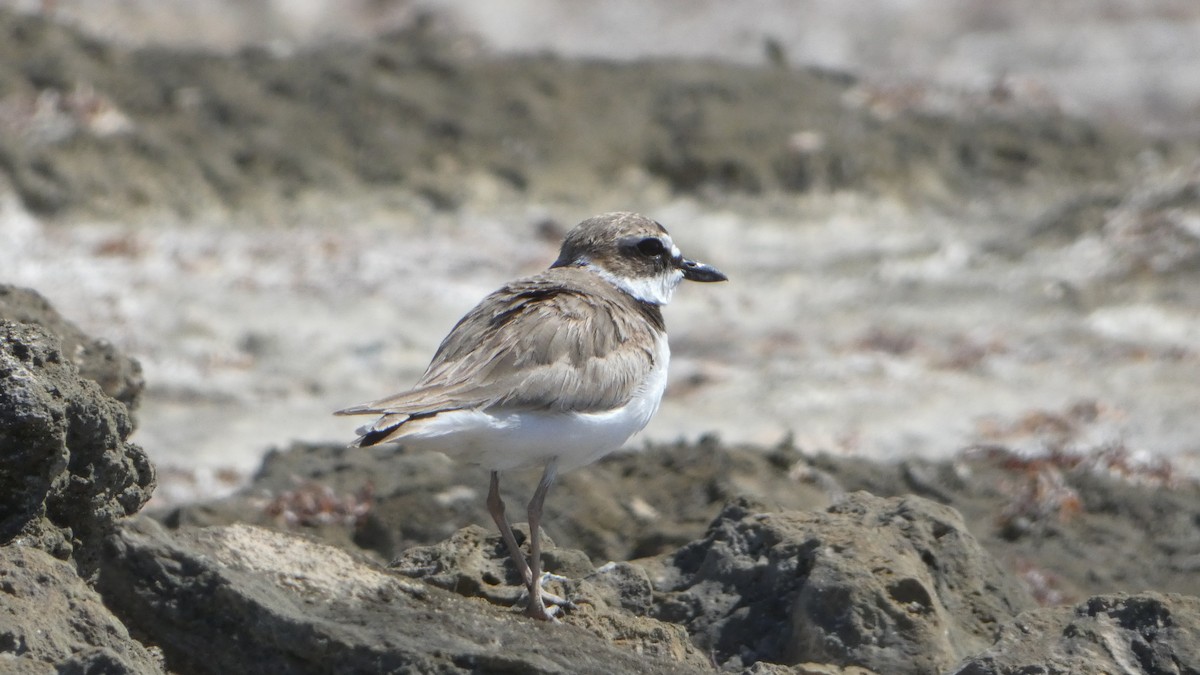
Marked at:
<point>941,421</point>
<point>682,558</point>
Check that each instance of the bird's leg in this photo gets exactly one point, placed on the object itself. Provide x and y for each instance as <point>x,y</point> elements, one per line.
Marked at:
<point>537,605</point>
<point>496,507</point>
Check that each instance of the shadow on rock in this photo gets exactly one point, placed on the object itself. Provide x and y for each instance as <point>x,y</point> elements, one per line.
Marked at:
<point>48,615</point>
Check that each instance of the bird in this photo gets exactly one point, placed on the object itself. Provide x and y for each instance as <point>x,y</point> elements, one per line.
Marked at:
<point>554,370</point>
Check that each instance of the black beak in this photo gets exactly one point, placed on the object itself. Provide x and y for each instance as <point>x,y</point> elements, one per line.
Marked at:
<point>698,271</point>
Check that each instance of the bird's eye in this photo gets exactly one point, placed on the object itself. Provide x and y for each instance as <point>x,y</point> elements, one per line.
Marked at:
<point>650,247</point>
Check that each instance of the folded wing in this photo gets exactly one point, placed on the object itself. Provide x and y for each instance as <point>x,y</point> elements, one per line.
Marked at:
<point>535,344</point>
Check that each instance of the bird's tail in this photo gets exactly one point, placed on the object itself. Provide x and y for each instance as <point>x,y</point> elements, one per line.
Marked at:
<point>380,431</point>
<point>370,435</point>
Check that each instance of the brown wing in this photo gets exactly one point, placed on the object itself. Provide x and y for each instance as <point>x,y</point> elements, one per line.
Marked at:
<point>536,345</point>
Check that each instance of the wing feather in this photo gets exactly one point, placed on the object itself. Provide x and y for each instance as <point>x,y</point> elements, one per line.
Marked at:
<point>536,344</point>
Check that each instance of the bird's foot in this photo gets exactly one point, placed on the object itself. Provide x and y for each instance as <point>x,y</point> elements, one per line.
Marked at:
<point>551,598</point>
<point>543,613</point>
<point>544,605</point>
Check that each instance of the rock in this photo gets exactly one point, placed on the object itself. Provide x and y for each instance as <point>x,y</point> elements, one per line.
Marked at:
<point>649,503</point>
<point>643,504</point>
<point>763,668</point>
<point>611,602</point>
<point>1142,633</point>
<point>626,506</point>
<point>118,375</point>
<point>1135,511</point>
<point>418,498</point>
<point>250,600</point>
<point>894,585</point>
<point>50,620</point>
<point>624,585</point>
<point>68,472</point>
<point>471,563</point>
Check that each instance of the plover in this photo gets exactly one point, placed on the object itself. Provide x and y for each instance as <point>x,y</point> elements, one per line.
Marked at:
<point>554,370</point>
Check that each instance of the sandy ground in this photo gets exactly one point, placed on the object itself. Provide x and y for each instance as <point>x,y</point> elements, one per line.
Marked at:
<point>868,329</point>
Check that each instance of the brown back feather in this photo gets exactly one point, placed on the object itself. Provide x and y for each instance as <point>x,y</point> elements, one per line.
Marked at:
<point>562,340</point>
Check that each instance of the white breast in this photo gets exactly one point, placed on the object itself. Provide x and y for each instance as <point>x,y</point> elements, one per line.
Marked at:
<point>501,440</point>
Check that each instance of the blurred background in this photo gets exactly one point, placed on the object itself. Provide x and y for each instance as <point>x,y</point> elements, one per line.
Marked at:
<point>948,225</point>
<point>1132,60</point>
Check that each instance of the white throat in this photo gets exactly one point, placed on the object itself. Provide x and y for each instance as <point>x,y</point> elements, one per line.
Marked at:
<point>655,290</point>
